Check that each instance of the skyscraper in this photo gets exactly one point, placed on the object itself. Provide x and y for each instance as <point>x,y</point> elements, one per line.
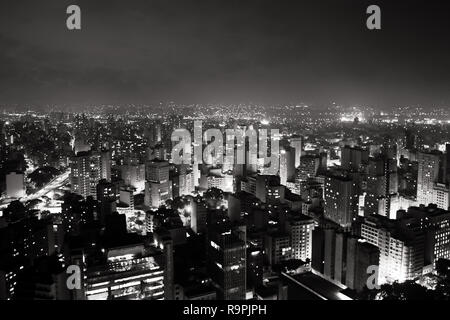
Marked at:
<point>153,135</point>
<point>287,165</point>
<point>158,187</point>
<point>436,223</point>
<point>106,198</point>
<point>95,172</point>
<point>309,166</point>
<point>382,186</point>
<point>105,166</point>
<point>226,257</point>
<point>76,211</point>
<point>428,174</point>
<point>198,215</point>
<point>447,163</point>
<point>411,140</point>
<point>353,158</point>
<point>80,172</point>
<point>301,229</point>
<point>85,173</point>
<point>296,143</point>
<point>341,200</point>
<point>165,242</point>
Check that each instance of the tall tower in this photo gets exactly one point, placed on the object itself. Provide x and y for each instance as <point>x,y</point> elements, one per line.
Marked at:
<point>353,158</point>
<point>447,163</point>
<point>158,187</point>
<point>287,165</point>
<point>341,200</point>
<point>80,174</point>
<point>296,143</point>
<point>85,173</point>
<point>226,257</point>
<point>165,241</point>
<point>106,199</point>
<point>105,165</point>
<point>301,230</point>
<point>382,186</point>
<point>428,174</point>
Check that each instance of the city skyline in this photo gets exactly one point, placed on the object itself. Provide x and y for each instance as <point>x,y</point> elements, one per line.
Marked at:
<point>238,151</point>
<point>356,205</point>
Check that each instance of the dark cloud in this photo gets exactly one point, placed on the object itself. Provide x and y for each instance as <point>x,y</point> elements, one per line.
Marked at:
<point>224,51</point>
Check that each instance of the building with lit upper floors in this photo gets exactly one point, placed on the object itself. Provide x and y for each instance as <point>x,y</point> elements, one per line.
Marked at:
<point>85,172</point>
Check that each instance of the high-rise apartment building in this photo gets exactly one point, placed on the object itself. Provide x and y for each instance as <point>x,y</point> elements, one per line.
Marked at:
<point>402,248</point>
<point>158,188</point>
<point>301,229</point>
<point>341,200</point>
<point>226,257</point>
<point>428,175</point>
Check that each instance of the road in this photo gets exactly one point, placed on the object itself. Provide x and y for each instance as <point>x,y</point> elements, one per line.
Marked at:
<point>57,182</point>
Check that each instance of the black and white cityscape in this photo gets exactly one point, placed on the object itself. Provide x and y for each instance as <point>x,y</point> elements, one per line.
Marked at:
<point>224,150</point>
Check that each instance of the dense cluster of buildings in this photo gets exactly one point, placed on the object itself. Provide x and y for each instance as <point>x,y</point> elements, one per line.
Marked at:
<point>137,226</point>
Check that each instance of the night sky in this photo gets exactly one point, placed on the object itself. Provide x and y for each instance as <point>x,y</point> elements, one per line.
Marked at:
<point>230,51</point>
